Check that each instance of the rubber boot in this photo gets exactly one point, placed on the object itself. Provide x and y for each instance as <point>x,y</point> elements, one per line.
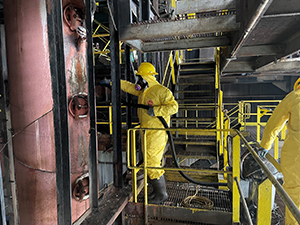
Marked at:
<point>152,194</point>
<point>159,191</point>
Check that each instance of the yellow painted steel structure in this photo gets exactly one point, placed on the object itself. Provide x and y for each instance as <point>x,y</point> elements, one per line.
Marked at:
<point>264,205</point>
<point>109,122</point>
<point>235,173</point>
<point>170,64</point>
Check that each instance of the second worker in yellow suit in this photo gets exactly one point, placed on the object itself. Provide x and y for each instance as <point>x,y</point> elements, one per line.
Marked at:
<point>162,103</point>
<point>287,110</point>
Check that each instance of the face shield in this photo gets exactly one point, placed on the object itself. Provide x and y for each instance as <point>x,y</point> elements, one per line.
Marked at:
<point>140,83</point>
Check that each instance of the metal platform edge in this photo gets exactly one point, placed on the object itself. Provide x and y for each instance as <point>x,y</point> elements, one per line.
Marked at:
<point>134,214</point>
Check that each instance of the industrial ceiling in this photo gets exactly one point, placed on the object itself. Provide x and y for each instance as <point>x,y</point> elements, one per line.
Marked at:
<point>257,36</point>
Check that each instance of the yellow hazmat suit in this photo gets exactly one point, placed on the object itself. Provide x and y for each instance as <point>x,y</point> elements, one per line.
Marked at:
<point>164,104</point>
<point>287,109</point>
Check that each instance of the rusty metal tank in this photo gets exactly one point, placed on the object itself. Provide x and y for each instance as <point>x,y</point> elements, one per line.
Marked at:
<point>31,100</point>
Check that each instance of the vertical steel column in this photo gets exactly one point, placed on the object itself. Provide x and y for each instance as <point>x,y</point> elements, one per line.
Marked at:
<point>145,9</point>
<point>93,192</point>
<point>128,77</point>
<point>60,112</point>
<point>145,15</point>
<point>116,95</point>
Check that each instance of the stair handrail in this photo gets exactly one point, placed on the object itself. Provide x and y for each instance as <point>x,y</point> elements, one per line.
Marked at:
<point>280,190</point>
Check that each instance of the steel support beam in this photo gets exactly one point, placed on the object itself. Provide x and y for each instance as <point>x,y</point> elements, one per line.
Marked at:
<point>145,9</point>
<point>116,96</point>
<point>93,149</point>
<point>128,77</point>
<point>239,67</point>
<point>249,27</point>
<point>260,50</point>
<point>286,66</point>
<point>292,45</point>
<point>60,112</point>
<point>283,7</point>
<point>194,6</point>
<point>179,28</point>
<point>181,44</point>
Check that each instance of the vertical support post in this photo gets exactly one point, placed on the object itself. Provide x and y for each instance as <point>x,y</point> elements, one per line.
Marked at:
<point>93,150</point>
<point>128,77</point>
<point>144,15</point>
<point>60,112</point>
<point>3,215</point>
<point>258,125</point>
<point>133,163</point>
<point>264,203</point>
<point>10,179</point>
<point>116,96</point>
<point>145,9</point>
<point>236,173</point>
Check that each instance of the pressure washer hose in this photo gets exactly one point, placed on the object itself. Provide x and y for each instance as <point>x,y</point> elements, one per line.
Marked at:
<point>171,141</point>
<point>163,121</point>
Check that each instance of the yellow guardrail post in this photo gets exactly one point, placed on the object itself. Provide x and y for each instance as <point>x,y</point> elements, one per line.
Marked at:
<point>172,69</point>
<point>110,119</point>
<point>226,134</point>
<point>258,125</point>
<point>236,173</point>
<point>241,113</point>
<point>132,159</point>
<point>264,204</point>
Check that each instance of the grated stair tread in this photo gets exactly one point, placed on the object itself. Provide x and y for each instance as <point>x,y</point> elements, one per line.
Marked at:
<point>196,91</point>
<point>209,119</point>
<point>194,75</point>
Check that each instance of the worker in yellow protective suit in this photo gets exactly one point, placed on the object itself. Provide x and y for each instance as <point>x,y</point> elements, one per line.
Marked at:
<point>162,103</point>
<point>287,110</point>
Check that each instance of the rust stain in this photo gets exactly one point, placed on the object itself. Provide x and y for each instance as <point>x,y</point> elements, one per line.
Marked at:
<point>79,71</point>
<point>49,6</point>
<point>77,79</point>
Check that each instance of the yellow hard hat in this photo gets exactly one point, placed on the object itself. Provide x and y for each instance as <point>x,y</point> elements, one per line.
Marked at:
<point>146,69</point>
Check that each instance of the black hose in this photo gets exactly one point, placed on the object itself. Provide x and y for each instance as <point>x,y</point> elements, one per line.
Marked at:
<point>163,121</point>
<point>214,184</point>
<point>171,141</point>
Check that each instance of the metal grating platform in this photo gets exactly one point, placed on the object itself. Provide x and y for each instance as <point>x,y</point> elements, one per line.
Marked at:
<point>179,191</point>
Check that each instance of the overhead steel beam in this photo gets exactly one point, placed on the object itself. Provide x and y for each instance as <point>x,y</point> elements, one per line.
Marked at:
<point>239,67</point>
<point>260,50</point>
<point>257,15</point>
<point>286,66</point>
<point>283,7</point>
<point>194,6</point>
<point>292,45</point>
<point>179,44</point>
<point>154,30</point>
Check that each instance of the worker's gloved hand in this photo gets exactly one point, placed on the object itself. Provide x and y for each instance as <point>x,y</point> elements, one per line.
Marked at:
<point>105,82</point>
<point>151,111</point>
<point>262,152</point>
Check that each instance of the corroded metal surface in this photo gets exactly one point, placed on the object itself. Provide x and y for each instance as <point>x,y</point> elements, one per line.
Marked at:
<point>31,98</point>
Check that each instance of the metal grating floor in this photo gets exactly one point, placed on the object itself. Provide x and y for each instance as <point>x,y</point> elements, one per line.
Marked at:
<point>179,191</point>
